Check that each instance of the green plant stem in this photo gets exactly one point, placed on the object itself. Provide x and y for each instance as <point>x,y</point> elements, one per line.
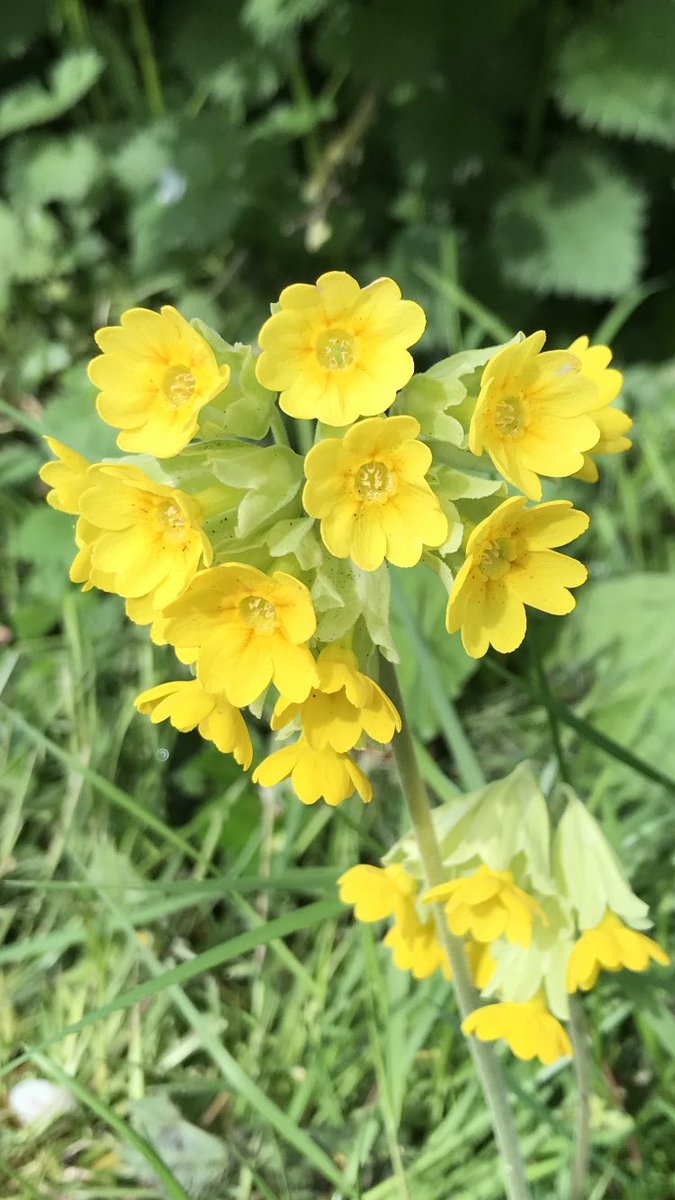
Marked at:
<point>147,61</point>
<point>278,428</point>
<point>485,1062</point>
<point>547,697</point>
<point>582,1071</point>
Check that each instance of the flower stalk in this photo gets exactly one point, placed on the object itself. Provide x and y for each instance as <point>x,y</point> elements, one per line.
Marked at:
<point>583,1070</point>
<point>487,1068</point>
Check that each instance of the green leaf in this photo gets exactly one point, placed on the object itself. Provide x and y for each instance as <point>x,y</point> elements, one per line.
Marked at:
<point>196,1158</point>
<point>616,72</point>
<point>623,630</point>
<point>41,171</point>
<point>577,230</point>
<point>71,416</point>
<point>32,104</point>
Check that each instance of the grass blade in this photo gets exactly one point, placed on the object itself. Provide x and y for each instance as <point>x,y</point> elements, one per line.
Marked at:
<point>110,790</point>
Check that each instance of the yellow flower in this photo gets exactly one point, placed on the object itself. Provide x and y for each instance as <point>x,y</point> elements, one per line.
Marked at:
<point>419,950</point>
<point>250,630</point>
<point>612,423</point>
<point>510,562</point>
<point>531,415</point>
<point>187,706</point>
<point>370,493</point>
<point>379,892</point>
<point>315,774</point>
<point>481,962</point>
<point>530,1030</point>
<point>136,537</point>
<point>610,946</point>
<point>345,705</point>
<point>488,905</point>
<point>336,351</point>
<point>155,375</point>
<point>66,476</point>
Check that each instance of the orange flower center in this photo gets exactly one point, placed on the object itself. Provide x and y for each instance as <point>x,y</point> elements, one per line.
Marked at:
<point>374,482</point>
<point>258,614</point>
<point>496,559</point>
<point>336,349</point>
<point>178,385</point>
<point>511,416</point>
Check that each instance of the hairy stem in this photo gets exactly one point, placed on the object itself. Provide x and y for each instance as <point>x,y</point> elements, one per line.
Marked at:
<point>485,1062</point>
<point>582,1069</point>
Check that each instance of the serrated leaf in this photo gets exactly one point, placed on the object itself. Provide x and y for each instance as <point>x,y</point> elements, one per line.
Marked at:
<point>616,72</point>
<point>577,230</point>
<point>32,104</point>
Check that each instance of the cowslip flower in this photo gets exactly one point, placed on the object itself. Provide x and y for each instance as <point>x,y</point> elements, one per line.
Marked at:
<point>345,705</point>
<point>380,892</point>
<point>66,477</point>
<point>612,423</point>
<point>369,492</point>
<point>532,414</point>
<point>510,562</point>
<point>314,774</point>
<point>155,375</point>
<point>336,351</point>
<point>186,705</point>
<point>610,946</point>
<point>137,538</point>
<point>529,1029</point>
<point>249,629</point>
<point>420,951</point>
<point>487,905</point>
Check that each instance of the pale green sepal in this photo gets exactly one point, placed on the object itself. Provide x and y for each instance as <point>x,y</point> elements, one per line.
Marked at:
<point>373,589</point>
<point>440,568</point>
<point>295,537</point>
<point>342,593</point>
<point>335,599</point>
<point>243,408</point>
<point>191,471</point>
<point>451,485</point>
<point>427,400</point>
<point>463,485</point>
<point>271,476</point>
<point>446,385</point>
<point>258,706</point>
<point>504,825</point>
<point>588,871</point>
<point>159,472</point>
<point>522,971</point>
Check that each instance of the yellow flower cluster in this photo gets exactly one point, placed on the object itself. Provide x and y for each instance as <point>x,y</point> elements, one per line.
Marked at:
<point>539,918</point>
<point>263,568</point>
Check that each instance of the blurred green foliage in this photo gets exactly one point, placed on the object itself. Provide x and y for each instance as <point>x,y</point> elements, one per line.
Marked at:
<point>211,152</point>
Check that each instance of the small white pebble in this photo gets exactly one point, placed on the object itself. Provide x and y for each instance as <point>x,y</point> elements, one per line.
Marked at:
<point>39,1100</point>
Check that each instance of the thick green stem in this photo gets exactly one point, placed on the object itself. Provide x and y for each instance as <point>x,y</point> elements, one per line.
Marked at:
<point>583,1072</point>
<point>485,1062</point>
<point>278,428</point>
